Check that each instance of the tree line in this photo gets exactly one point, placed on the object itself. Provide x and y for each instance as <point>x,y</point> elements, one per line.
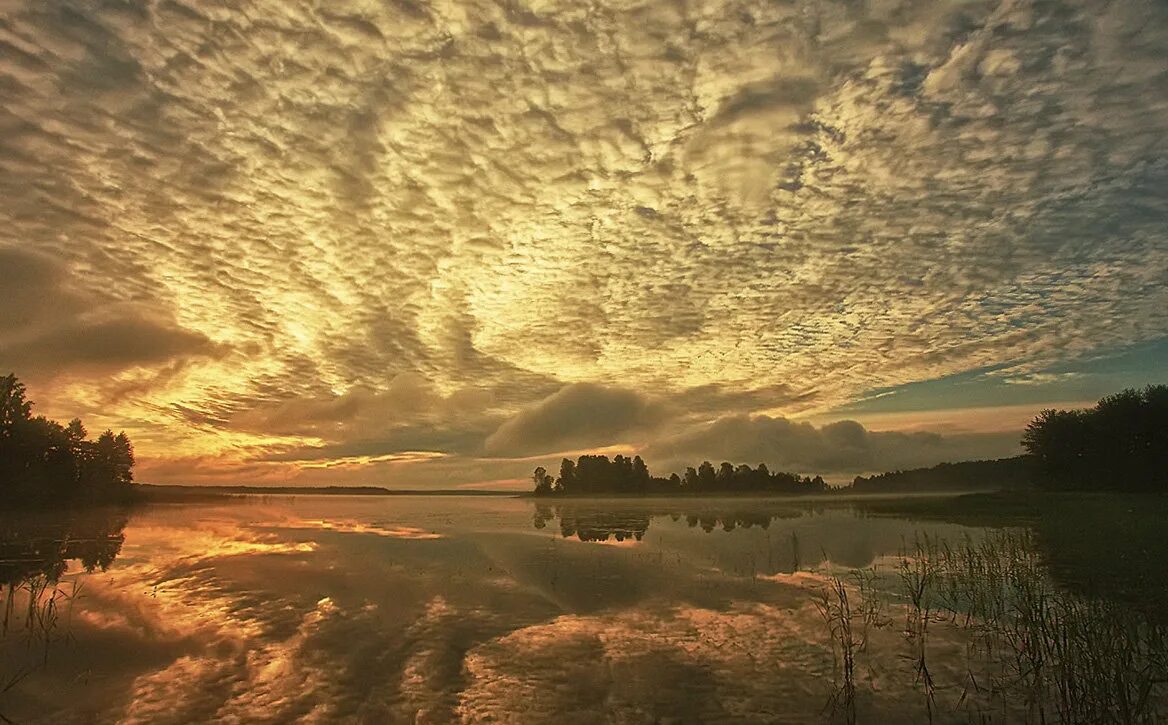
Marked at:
<point>1120,444</point>
<point>44,462</point>
<point>596,474</point>
<point>1003,473</point>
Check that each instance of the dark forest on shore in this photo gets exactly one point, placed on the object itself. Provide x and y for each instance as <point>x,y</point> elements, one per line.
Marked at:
<point>1001,474</point>
<point>45,463</point>
<point>1120,444</point>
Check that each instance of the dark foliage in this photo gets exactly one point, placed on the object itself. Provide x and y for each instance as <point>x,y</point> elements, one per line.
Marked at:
<point>597,475</point>
<point>1121,444</point>
<point>1002,474</point>
<point>45,463</point>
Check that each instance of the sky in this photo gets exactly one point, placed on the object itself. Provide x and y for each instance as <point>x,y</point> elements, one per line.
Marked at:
<point>434,244</point>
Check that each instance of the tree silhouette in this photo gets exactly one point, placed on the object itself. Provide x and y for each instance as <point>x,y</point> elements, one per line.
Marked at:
<point>567,479</point>
<point>594,474</point>
<point>640,475</point>
<point>707,479</point>
<point>43,462</point>
<point>1120,444</point>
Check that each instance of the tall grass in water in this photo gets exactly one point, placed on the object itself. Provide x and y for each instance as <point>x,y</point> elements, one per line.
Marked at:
<point>1034,651</point>
<point>918,579</point>
<point>29,625</point>
<point>848,625</point>
<point>834,605</point>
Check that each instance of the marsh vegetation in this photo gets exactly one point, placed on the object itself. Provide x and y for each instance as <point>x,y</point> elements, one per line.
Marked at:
<point>1034,652</point>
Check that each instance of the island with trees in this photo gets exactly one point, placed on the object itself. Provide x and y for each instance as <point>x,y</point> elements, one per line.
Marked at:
<point>596,475</point>
<point>46,464</point>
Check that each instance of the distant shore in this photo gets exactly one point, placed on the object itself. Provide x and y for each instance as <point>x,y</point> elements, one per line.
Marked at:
<point>162,493</point>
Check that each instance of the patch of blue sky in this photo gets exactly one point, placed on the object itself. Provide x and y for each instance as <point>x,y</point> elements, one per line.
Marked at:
<point>1015,383</point>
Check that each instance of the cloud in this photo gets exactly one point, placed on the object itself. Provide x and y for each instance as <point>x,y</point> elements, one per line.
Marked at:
<point>128,337</point>
<point>50,327</point>
<point>196,470</point>
<point>407,398</point>
<point>578,416</point>
<point>408,419</point>
<point>842,447</point>
<point>832,196</point>
<point>704,402</point>
<point>400,442</point>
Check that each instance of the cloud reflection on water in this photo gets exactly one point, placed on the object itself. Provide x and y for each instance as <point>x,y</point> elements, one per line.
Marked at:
<point>357,527</point>
<point>424,610</point>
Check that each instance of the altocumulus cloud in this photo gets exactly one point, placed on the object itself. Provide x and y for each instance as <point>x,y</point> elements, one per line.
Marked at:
<point>827,195</point>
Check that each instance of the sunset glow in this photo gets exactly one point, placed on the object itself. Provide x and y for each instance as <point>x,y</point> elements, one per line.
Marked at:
<point>425,244</point>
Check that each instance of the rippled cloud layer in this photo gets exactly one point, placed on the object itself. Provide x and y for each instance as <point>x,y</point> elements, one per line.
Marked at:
<point>377,230</point>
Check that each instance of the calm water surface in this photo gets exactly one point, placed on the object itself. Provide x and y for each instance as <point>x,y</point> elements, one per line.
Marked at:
<point>441,609</point>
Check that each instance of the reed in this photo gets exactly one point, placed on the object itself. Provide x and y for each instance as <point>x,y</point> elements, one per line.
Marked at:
<point>834,605</point>
<point>33,612</point>
<point>1034,651</point>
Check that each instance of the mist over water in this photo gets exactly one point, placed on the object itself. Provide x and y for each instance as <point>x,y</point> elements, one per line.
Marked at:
<point>448,609</point>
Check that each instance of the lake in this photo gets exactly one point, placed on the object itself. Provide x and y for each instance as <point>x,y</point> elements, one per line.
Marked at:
<point>472,609</point>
